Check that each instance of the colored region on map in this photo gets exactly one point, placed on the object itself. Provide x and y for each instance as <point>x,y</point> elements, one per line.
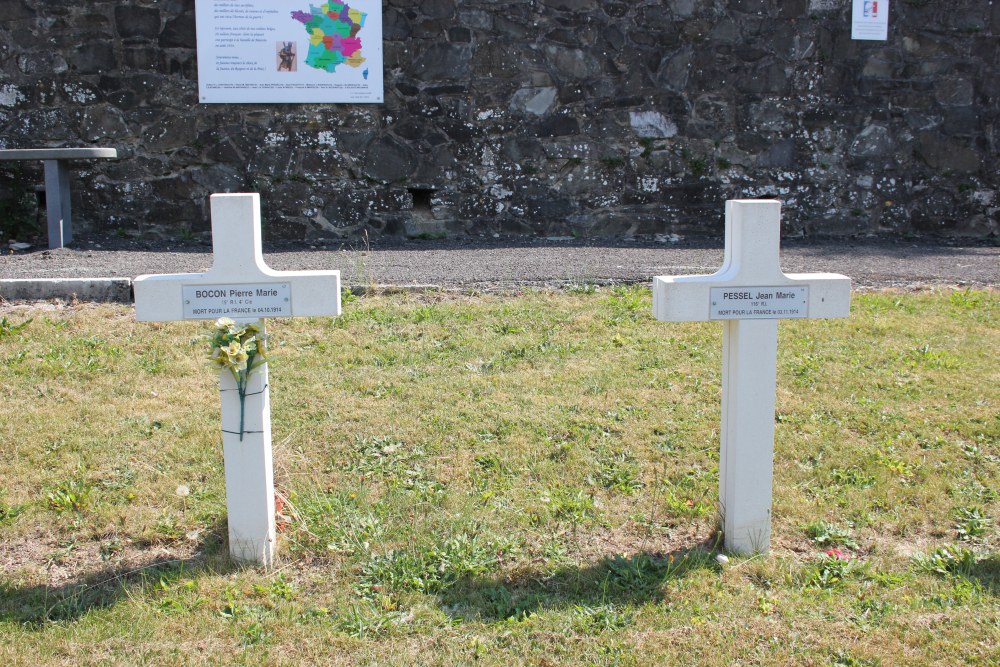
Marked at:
<point>333,29</point>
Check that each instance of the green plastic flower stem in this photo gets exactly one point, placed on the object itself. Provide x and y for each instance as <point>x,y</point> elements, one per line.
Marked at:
<point>241,387</point>
<point>243,379</point>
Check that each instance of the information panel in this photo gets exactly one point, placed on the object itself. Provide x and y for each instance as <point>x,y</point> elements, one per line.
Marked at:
<point>289,51</point>
<point>245,301</point>
<point>870,20</point>
<point>759,303</point>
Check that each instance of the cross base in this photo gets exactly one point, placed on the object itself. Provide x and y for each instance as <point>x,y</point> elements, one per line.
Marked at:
<point>249,468</point>
<point>749,371</point>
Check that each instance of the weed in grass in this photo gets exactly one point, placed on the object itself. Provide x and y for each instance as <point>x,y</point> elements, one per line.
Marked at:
<point>496,603</point>
<point>960,592</point>
<point>925,356</point>
<point>947,560</point>
<point>586,287</point>
<point>181,600</point>
<point>976,304</point>
<point>395,463</point>
<point>636,573</point>
<point>642,574</point>
<point>829,535</point>
<point>367,621</point>
<point>254,633</point>
<point>869,612</point>
<point>427,313</point>
<point>573,506</point>
<point>72,495</point>
<point>153,364</point>
<point>692,493</point>
<point>969,487</point>
<point>853,476</point>
<point>506,329</point>
<point>168,527</point>
<point>279,588</point>
<point>894,463</point>
<point>122,477</point>
<point>845,659</point>
<point>9,512</point>
<point>490,476</point>
<point>617,471</point>
<point>628,303</point>
<point>111,549</point>
<point>559,450</point>
<point>432,569</point>
<point>972,523</point>
<point>8,328</point>
<point>349,296</point>
<point>603,618</point>
<point>343,522</point>
<point>830,570</point>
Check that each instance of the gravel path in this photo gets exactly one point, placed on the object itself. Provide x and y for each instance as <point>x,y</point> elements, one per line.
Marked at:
<point>495,264</point>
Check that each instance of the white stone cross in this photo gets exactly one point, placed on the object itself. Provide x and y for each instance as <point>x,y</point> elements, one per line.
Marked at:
<point>749,294</point>
<point>242,287</point>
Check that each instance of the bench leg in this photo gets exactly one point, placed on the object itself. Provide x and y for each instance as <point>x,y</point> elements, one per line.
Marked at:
<point>57,203</point>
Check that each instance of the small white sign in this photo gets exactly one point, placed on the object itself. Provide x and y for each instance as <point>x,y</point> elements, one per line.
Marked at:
<point>759,303</point>
<point>242,301</point>
<point>870,20</point>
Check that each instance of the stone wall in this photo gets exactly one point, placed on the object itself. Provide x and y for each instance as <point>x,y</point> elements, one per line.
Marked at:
<point>542,117</point>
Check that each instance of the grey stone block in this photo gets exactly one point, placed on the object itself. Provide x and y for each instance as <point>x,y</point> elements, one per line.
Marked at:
<point>83,289</point>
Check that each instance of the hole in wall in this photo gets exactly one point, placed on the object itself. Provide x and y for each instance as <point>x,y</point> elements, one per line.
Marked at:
<point>422,201</point>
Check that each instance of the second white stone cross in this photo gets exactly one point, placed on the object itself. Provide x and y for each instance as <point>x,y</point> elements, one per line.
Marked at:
<point>242,287</point>
<point>749,294</point>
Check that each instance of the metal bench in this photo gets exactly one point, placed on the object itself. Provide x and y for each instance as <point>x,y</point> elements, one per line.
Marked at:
<point>57,198</point>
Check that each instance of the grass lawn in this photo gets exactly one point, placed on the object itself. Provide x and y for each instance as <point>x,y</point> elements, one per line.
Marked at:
<point>503,480</point>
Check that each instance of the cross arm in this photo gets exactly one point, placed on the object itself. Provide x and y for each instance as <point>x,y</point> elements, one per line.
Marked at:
<point>689,298</point>
<point>161,298</point>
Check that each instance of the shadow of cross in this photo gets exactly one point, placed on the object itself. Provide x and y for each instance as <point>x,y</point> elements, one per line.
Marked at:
<point>242,287</point>
<point>749,294</point>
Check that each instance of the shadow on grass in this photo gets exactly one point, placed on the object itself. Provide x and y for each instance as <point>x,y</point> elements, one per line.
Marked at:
<point>33,606</point>
<point>987,573</point>
<point>594,589</point>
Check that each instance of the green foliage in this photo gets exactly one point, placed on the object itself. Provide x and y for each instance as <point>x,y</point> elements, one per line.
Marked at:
<point>845,659</point>
<point>349,296</point>
<point>629,303</point>
<point>697,164</point>
<point>831,570</point>
<point>367,621</point>
<point>947,560</point>
<point>829,535</point>
<point>396,464</point>
<point>72,495</point>
<point>642,573</point>
<point>604,618</point>
<point>573,506</point>
<point>432,569</point>
<point>972,523</point>
<point>8,328</point>
<point>9,512</point>
<point>618,471</point>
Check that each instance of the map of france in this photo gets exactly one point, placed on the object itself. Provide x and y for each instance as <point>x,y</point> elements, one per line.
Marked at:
<point>333,29</point>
